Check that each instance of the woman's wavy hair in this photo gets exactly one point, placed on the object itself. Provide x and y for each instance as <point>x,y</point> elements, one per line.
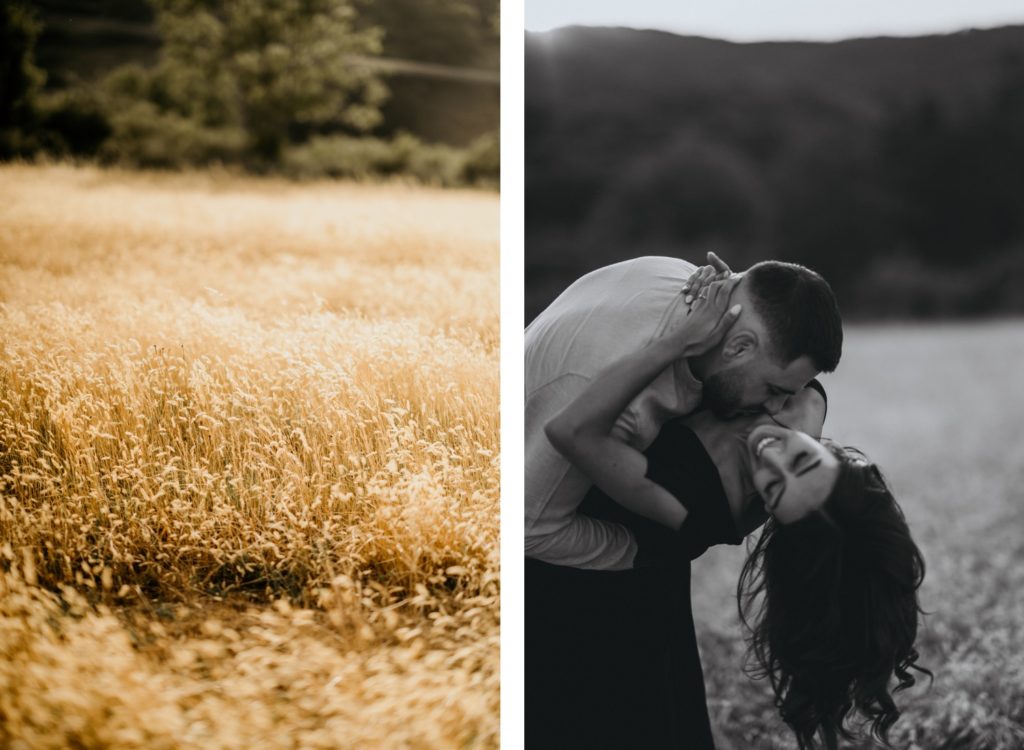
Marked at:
<point>831,604</point>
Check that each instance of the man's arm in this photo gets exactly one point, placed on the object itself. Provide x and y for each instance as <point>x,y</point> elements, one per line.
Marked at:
<point>555,532</point>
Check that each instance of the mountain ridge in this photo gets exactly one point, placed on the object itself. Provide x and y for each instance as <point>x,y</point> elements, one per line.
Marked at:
<point>832,154</point>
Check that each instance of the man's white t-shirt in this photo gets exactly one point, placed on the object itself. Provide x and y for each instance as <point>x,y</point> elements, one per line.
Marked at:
<point>603,316</point>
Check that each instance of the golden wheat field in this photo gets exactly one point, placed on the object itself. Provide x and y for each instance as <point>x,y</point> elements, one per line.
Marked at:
<point>248,463</point>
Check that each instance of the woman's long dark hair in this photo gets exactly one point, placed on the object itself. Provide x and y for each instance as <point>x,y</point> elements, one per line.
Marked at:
<point>831,603</point>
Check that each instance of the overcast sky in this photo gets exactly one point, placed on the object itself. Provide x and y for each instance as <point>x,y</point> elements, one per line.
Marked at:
<point>755,20</point>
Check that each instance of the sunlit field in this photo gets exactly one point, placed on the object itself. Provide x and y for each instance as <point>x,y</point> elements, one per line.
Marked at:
<point>940,409</point>
<point>248,463</point>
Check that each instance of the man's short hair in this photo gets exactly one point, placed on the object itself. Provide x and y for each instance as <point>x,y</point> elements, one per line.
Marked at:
<point>800,312</point>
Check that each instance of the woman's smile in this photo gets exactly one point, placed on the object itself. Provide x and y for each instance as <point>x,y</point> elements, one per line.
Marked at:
<point>791,471</point>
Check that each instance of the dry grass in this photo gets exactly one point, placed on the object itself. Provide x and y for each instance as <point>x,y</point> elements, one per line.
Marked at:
<point>939,408</point>
<point>248,463</point>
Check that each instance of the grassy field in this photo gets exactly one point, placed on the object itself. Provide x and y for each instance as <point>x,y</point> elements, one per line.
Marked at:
<point>940,409</point>
<point>248,463</point>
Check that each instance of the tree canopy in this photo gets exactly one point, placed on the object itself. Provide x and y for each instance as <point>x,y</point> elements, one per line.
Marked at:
<point>20,79</point>
<point>264,67</point>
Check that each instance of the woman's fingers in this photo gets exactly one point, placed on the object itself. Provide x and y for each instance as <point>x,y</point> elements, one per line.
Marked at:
<point>710,318</point>
<point>721,291</point>
<point>720,294</point>
<point>698,280</point>
<point>717,270</point>
<point>720,266</point>
<point>725,322</point>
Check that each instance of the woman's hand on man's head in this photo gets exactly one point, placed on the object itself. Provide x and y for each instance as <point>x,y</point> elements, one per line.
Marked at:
<point>716,270</point>
<point>708,320</point>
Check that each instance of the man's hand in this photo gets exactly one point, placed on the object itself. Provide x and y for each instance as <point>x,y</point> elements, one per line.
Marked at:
<point>715,270</point>
<point>708,319</point>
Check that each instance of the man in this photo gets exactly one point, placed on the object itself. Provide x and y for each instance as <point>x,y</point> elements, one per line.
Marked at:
<point>788,332</point>
<point>581,594</point>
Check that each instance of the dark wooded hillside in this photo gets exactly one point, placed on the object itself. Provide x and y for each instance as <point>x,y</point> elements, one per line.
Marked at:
<point>893,165</point>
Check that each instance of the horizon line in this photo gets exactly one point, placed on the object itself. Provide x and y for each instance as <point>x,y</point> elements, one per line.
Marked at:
<point>698,34</point>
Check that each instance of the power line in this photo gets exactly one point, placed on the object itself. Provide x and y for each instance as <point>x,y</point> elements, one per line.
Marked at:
<point>427,70</point>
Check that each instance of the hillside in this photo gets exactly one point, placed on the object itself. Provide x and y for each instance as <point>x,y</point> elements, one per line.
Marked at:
<point>833,154</point>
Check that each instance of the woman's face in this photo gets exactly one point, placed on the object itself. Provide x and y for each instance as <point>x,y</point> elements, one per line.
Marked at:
<point>792,471</point>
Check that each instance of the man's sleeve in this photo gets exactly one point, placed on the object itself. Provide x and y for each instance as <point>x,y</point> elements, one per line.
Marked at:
<point>585,542</point>
<point>555,532</point>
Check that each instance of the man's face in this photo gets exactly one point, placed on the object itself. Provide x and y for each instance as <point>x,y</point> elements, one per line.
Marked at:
<point>755,383</point>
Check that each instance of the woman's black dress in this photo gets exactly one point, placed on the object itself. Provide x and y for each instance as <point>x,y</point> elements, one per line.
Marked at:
<point>611,657</point>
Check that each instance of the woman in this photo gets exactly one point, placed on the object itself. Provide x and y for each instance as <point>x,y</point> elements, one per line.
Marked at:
<point>833,576</point>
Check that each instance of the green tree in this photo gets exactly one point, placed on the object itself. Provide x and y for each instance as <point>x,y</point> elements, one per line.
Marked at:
<point>265,67</point>
<point>20,79</point>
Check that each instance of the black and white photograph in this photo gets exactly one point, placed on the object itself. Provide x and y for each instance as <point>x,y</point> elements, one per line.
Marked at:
<point>774,262</point>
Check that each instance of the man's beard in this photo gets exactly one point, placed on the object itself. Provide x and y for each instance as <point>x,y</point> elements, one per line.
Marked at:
<point>723,394</point>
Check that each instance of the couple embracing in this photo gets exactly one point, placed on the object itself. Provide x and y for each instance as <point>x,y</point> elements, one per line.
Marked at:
<point>670,408</point>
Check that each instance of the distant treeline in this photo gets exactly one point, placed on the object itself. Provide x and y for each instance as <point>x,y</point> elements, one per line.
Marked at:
<point>895,167</point>
<point>308,88</point>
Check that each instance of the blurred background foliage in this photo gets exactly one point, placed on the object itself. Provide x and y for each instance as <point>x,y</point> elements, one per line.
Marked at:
<point>307,88</point>
<point>894,166</point>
